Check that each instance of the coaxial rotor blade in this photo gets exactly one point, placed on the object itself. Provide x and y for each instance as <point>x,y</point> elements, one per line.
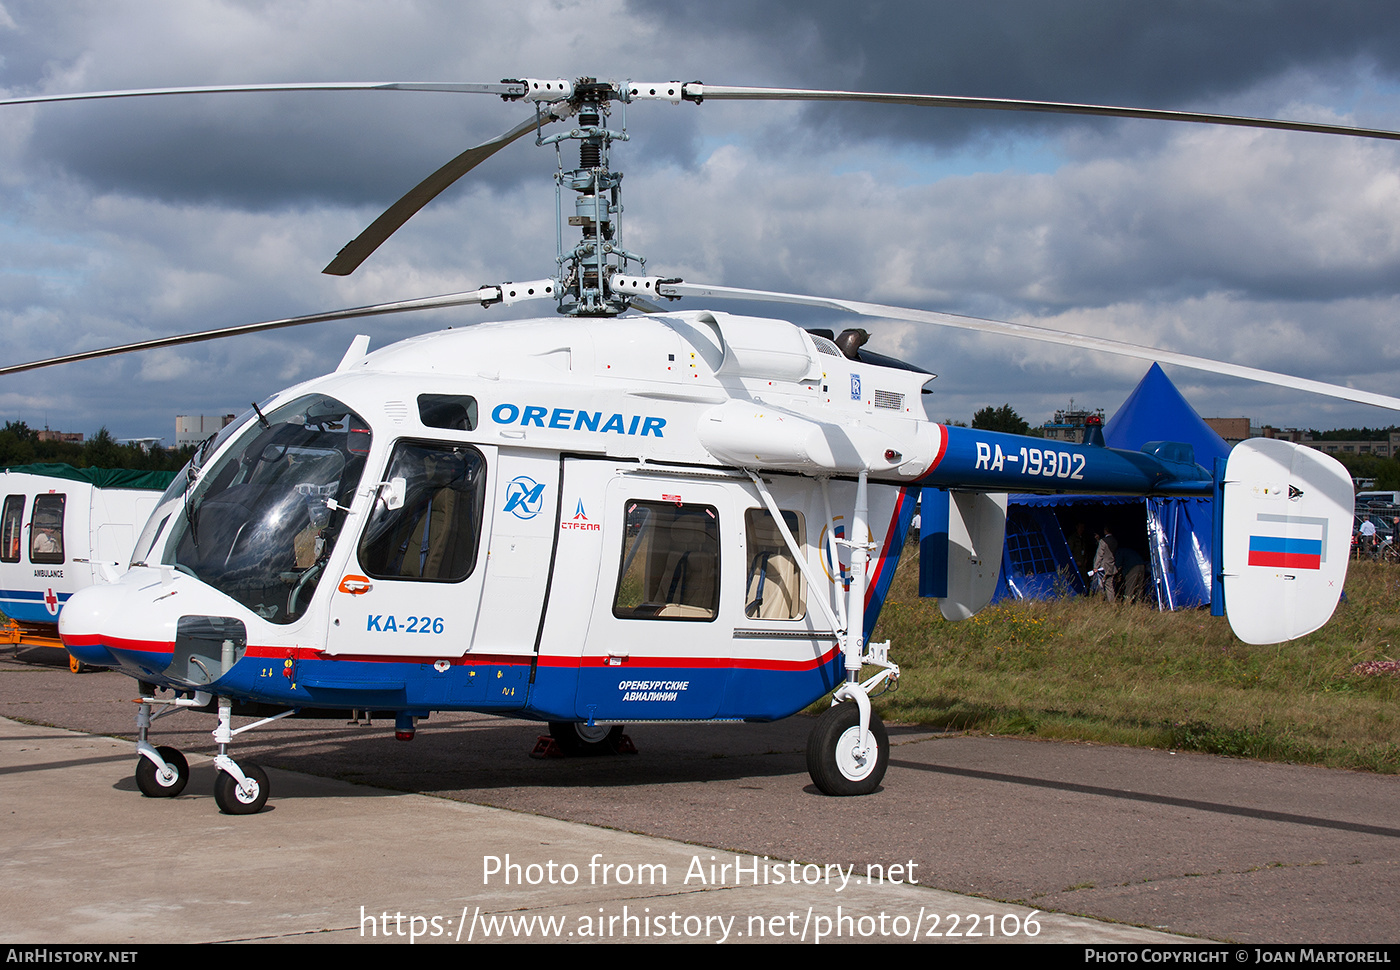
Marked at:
<point>712,92</point>
<point>359,249</point>
<point>508,89</point>
<point>505,293</point>
<point>1024,331</point>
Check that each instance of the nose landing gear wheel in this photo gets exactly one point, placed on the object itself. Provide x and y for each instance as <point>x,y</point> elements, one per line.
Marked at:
<point>150,781</point>
<point>833,760</point>
<point>576,739</point>
<point>234,800</point>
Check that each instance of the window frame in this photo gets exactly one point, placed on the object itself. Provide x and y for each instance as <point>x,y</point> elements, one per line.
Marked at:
<point>798,528</point>
<point>12,527</point>
<point>379,511</point>
<point>629,551</point>
<point>42,503</point>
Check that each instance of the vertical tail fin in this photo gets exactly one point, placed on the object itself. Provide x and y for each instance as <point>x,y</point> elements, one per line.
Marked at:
<point>1286,536</point>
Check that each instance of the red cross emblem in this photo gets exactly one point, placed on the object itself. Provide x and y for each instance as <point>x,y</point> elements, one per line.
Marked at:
<point>51,602</point>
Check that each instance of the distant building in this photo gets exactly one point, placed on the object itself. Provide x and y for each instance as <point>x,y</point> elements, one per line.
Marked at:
<point>1387,448</point>
<point>1068,425</point>
<point>67,437</point>
<point>1233,430</point>
<point>1295,435</point>
<point>191,429</point>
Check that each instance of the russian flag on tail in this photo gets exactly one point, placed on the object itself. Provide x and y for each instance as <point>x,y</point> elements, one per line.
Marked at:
<point>1287,551</point>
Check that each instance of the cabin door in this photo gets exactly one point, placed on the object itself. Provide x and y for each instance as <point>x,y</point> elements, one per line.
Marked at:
<point>666,601</point>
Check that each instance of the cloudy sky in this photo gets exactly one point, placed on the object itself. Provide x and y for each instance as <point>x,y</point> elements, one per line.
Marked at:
<point>121,220</point>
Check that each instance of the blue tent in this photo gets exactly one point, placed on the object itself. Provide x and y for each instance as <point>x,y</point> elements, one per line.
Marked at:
<point>1156,411</point>
<point>1172,534</point>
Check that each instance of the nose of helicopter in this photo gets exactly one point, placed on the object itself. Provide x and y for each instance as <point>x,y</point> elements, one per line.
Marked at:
<point>81,623</point>
<point>103,625</point>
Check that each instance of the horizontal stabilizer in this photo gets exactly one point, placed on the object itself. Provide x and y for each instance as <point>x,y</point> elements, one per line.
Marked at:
<point>1286,536</point>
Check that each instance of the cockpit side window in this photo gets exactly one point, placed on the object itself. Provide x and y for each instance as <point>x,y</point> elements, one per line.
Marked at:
<point>433,536</point>
<point>453,412</point>
<point>11,528</point>
<point>260,522</point>
<point>46,529</point>
<point>670,563</point>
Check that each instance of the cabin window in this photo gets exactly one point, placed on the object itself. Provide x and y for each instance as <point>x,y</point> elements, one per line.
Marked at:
<point>454,412</point>
<point>670,563</point>
<point>46,529</point>
<point>433,535</point>
<point>11,528</point>
<point>774,589</point>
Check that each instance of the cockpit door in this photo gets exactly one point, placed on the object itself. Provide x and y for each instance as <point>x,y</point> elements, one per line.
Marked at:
<point>413,585</point>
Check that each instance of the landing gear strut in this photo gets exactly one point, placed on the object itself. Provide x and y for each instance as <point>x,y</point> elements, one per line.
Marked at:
<point>163,772</point>
<point>238,790</point>
<point>160,772</point>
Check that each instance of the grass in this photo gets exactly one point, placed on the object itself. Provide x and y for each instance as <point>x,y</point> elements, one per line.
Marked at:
<point>1089,670</point>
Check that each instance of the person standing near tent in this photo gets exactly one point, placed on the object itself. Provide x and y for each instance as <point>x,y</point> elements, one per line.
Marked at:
<point>1079,550</point>
<point>1106,562</point>
<point>1132,569</point>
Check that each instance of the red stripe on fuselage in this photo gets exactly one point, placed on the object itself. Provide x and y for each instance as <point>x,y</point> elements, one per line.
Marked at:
<point>740,663</point>
<point>297,653</point>
<point>942,450</point>
<point>473,660</point>
<point>880,563</point>
<point>118,643</point>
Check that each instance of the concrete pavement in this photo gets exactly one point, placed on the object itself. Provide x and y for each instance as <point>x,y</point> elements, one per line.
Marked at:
<point>87,859</point>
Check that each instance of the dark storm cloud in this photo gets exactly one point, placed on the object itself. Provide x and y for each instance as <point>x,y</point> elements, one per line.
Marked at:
<point>263,152</point>
<point>1203,214</point>
<point>1164,54</point>
<point>284,150</point>
<point>274,150</point>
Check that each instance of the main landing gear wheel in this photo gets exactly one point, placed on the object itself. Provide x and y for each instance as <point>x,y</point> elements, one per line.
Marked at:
<point>577,738</point>
<point>234,800</point>
<point>153,783</point>
<point>831,752</point>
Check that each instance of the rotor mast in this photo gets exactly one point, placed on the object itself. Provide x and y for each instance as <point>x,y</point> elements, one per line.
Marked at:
<point>586,270</point>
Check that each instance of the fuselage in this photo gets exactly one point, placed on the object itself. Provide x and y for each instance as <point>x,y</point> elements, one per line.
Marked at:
<point>554,519</point>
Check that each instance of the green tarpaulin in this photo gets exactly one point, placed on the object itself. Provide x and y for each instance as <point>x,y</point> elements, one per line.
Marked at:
<point>100,477</point>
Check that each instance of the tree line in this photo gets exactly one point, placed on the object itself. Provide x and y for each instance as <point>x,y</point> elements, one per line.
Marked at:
<point>20,445</point>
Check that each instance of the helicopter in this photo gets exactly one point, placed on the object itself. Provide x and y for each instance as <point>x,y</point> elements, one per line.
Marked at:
<point>63,529</point>
<point>604,517</point>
